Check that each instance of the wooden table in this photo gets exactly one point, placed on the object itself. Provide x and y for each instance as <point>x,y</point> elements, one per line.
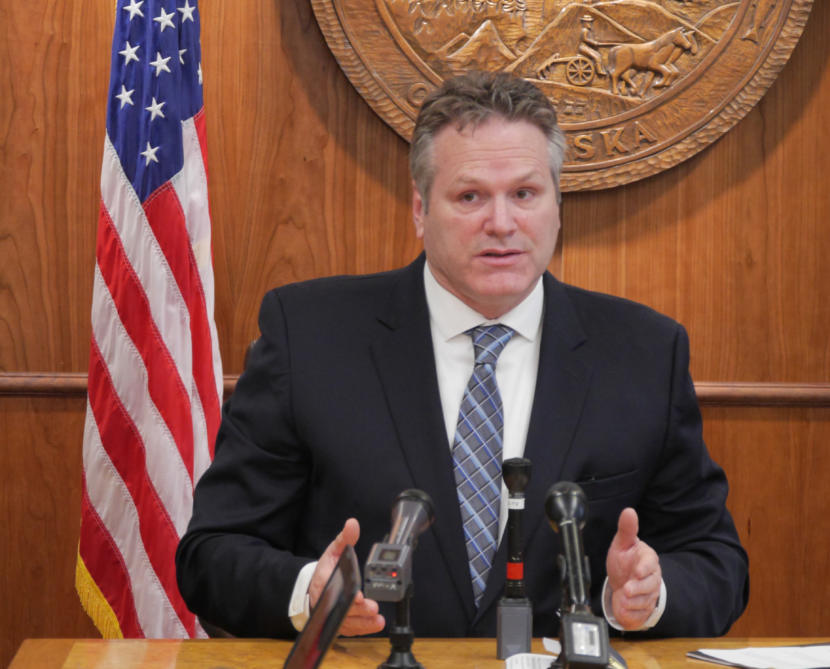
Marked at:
<point>345,654</point>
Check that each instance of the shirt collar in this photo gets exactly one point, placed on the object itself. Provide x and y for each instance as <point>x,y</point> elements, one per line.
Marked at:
<point>452,317</point>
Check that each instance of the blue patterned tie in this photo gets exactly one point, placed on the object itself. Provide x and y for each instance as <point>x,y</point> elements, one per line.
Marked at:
<point>476,453</point>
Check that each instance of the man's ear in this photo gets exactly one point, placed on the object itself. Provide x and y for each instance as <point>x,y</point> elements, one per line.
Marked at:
<point>418,211</point>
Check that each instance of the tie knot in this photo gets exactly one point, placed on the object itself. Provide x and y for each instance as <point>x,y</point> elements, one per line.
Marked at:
<point>489,341</point>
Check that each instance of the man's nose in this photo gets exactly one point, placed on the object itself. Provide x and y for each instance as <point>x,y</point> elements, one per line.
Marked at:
<point>500,220</point>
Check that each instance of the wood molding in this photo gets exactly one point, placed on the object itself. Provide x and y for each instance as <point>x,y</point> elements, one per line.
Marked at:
<point>709,393</point>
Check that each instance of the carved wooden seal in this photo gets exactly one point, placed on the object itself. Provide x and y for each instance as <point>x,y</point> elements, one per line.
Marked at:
<point>639,85</point>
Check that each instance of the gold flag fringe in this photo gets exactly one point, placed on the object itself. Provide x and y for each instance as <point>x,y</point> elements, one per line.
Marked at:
<point>94,602</point>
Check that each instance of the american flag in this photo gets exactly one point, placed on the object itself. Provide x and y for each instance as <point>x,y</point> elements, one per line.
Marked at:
<point>155,375</point>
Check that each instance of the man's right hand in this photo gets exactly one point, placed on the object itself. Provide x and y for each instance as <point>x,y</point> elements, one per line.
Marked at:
<point>363,616</point>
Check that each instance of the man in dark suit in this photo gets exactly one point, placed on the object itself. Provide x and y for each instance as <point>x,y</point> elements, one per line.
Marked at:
<point>358,389</point>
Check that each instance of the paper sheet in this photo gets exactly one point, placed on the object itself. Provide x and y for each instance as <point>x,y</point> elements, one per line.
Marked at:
<point>815,656</point>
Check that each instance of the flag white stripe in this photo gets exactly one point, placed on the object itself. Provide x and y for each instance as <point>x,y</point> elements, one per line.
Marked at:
<point>111,500</point>
<point>164,464</point>
<point>190,185</point>
<point>167,306</point>
<point>199,229</point>
<point>201,447</point>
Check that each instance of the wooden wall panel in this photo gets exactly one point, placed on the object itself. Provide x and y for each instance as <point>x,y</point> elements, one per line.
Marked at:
<point>778,464</point>
<point>54,60</point>
<point>40,497</point>
<point>734,242</point>
<point>306,181</point>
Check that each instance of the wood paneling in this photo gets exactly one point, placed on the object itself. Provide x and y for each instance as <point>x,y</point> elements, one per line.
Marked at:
<point>306,181</point>
<point>40,497</point>
<point>778,465</point>
<point>734,242</point>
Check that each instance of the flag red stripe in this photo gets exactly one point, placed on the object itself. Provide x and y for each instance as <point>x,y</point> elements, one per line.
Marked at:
<point>166,219</point>
<point>125,449</point>
<point>201,133</point>
<point>106,566</point>
<point>164,383</point>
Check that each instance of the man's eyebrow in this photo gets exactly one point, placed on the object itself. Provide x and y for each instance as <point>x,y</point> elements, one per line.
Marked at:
<point>530,175</point>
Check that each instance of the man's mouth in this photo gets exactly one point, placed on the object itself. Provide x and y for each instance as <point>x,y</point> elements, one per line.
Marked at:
<point>499,253</point>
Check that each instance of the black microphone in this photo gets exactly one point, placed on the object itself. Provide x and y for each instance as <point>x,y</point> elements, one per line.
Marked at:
<point>388,572</point>
<point>516,475</point>
<point>565,508</point>
<point>412,513</point>
<point>514,623</point>
<point>584,636</point>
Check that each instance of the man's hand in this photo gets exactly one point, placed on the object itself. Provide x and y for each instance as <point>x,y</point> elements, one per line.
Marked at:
<point>363,616</point>
<point>634,574</point>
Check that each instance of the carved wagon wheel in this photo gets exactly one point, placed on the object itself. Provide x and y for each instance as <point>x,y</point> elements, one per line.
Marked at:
<point>580,71</point>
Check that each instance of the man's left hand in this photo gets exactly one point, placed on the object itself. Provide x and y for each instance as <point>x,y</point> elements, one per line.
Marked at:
<point>634,574</point>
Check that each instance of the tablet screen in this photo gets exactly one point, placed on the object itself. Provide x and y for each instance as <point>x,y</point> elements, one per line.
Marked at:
<point>326,616</point>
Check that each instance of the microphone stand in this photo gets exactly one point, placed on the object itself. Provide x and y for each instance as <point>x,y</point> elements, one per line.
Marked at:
<point>583,636</point>
<point>401,637</point>
<point>388,572</point>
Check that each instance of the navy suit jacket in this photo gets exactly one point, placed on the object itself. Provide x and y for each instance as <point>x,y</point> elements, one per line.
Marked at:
<point>338,411</point>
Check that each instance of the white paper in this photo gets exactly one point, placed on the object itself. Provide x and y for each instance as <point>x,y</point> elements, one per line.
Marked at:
<point>535,660</point>
<point>780,657</point>
<point>528,661</point>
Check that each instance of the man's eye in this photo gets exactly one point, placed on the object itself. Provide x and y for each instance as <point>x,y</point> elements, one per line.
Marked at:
<point>524,193</point>
<point>468,197</point>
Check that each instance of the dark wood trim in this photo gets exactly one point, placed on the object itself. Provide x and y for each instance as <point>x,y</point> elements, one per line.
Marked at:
<point>33,384</point>
<point>710,393</point>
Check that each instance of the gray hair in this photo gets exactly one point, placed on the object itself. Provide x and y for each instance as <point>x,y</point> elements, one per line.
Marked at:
<point>473,98</point>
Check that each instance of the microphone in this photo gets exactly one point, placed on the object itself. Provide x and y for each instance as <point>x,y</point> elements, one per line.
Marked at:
<point>514,624</point>
<point>412,513</point>
<point>516,475</point>
<point>584,636</point>
<point>565,508</point>
<point>388,572</point>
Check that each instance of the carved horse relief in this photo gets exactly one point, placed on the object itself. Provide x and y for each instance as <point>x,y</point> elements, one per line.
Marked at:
<point>655,57</point>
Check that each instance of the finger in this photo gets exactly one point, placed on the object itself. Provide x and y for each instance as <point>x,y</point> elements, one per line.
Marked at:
<point>363,606</point>
<point>632,613</point>
<point>363,617</point>
<point>348,537</point>
<point>356,625</point>
<point>644,603</point>
<point>640,562</point>
<point>628,526</point>
<point>631,620</point>
<point>649,586</point>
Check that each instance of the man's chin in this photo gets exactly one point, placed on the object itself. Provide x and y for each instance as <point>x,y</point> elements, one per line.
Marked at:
<point>502,295</point>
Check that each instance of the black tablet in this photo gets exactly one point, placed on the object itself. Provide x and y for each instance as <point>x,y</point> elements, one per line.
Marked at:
<point>327,615</point>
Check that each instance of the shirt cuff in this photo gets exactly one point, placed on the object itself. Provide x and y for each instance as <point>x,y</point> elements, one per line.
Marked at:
<point>299,608</point>
<point>652,620</point>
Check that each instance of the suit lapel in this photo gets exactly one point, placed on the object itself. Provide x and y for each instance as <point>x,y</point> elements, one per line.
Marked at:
<point>405,362</point>
<point>561,386</point>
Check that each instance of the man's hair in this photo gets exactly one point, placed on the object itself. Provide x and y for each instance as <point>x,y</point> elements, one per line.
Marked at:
<point>472,99</point>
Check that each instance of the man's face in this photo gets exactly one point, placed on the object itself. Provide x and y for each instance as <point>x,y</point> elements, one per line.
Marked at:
<point>491,226</point>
